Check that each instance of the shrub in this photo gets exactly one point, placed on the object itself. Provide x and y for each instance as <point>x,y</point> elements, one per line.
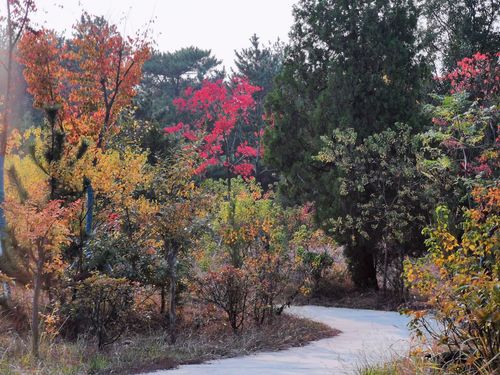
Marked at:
<point>255,234</point>
<point>101,306</point>
<point>271,275</point>
<point>316,264</point>
<point>460,277</point>
<point>228,289</point>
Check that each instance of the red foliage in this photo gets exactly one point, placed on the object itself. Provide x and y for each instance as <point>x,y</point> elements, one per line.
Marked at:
<point>220,111</point>
<point>245,150</point>
<point>479,75</point>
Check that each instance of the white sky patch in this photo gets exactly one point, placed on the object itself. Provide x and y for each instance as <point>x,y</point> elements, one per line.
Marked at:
<point>220,25</point>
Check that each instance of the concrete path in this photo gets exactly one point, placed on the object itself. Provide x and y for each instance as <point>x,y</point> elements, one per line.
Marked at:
<point>366,337</point>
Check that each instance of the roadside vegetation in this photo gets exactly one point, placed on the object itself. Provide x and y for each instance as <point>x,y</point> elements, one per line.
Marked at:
<point>145,346</point>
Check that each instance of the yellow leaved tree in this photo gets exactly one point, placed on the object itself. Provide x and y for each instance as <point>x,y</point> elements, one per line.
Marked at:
<point>460,276</point>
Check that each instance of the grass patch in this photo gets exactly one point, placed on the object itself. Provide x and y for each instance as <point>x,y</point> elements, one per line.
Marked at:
<point>413,365</point>
<point>136,353</point>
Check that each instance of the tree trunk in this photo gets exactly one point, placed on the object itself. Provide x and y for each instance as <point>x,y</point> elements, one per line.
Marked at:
<point>162,300</point>
<point>36,306</point>
<point>3,149</point>
<point>172,317</point>
<point>235,256</point>
<point>3,224</point>
<point>90,209</point>
<point>403,290</point>
<point>4,135</point>
<point>2,199</point>
<point>362,266</point>
<point>384,283</point>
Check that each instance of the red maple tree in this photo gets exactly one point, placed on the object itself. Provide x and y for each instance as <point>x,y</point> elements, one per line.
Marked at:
<point>220,126</point>
<point>479,75</point>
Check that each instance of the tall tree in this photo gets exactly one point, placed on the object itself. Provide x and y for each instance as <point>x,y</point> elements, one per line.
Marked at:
<point>91,77</point>
<point>220,112</point>
<point>177,221</point>
<point>260,64</point>
<point>84,83</point>
<point>349,64</point>
<point>460,28</point>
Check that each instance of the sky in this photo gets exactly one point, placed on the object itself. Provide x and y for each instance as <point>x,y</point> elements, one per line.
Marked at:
<point>219,25</point>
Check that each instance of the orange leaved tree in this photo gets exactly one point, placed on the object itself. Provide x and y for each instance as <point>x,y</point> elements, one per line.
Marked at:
<point>39,228</point>
<point>85,82</point>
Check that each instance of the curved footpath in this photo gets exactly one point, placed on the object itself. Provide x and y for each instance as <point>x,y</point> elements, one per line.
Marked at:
<point>366,337</point>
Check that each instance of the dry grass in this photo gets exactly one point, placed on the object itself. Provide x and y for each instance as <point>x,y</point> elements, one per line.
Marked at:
<point>407,366</point>
<point>415,366</point>
<point>200,339</point>
<point>429,362</point>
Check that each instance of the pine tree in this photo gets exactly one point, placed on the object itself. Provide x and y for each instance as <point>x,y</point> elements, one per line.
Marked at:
<point>260,64</point>
<point>167,74</point>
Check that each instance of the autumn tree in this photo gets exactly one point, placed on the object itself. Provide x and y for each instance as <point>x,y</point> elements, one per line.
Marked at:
<point>460,276</point>
<point>461,147</point>
<point>107,67</point>
<point>41,229</point>
<point>45,75</point>
<point>119,245</point>
<point>220,113</point>
<point>176,220</point>
<point>99,70</point>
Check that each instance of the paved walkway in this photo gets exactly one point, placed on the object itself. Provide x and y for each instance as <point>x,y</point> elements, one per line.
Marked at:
<point>366,337</point>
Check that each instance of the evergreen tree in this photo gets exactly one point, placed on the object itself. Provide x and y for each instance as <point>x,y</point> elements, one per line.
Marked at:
<point>350,64</point>
<point>460,28</point>
<point>167,74</point>
<point>260,64</point>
